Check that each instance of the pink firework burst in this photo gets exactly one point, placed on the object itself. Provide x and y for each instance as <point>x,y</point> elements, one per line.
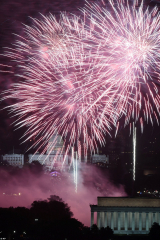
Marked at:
<point>125,39</point>
<point>58,90</point>
<point>80,76</point>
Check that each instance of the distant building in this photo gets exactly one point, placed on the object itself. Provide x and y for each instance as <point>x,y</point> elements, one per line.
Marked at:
<point>49,161</point>
<point>16,160</point>
<point>126,215</point>
<point>96,158</point>
<point>55,144</point>
<point>55,156</point>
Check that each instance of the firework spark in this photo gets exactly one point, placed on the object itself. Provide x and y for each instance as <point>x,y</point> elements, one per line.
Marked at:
<point>125,40</point>
<point>80,76</point>
<point>59,92</point>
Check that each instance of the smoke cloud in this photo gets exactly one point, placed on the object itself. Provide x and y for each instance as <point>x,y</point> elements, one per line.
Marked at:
<point>20,187</point>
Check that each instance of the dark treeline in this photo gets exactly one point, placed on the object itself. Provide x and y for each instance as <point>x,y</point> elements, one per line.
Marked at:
<point>48,219</point>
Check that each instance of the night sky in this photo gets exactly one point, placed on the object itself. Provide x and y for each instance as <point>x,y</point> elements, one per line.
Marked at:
<point>13,14</point>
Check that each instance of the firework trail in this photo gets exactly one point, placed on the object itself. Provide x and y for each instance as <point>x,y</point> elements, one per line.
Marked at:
<point>134,152</point>
<point>58,91</point>
<point>125,40</point>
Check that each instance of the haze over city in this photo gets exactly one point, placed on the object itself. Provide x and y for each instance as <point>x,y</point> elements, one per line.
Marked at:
<point>92,152</point>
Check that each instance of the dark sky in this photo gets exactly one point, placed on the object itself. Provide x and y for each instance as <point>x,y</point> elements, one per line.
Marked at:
<point>12,15</point>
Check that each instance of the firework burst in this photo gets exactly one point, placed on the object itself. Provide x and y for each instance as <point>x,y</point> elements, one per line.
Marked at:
<point>79,77</point>
<point>59,92</point>
<point>126,41</point>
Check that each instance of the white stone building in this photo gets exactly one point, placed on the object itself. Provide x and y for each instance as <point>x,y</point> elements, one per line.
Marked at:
<point>16,160</point>
<point>126,215</point>
<point>55,156</point>
<point>49,161</point>
<point>55,144</point>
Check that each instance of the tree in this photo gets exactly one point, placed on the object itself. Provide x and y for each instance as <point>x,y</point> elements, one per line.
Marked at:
<point>94,229</point>
<point>94,232</point>
<point>106,233</point>
<point>109,232</point>
<point>53,216</point>
<point>53,209</point>
<point>86,232</point>
<point>36,168</point>
<point>155,231</point>
<point>49,219</point>
<point>14,221</point>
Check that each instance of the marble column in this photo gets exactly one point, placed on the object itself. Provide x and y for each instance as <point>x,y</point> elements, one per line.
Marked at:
<point>153,218</point>
<point>140,221</point>
<point>126,221</point>
<point>109,219</point>
<point>147,222</point>
<point>112,226</point>
<point>92,218</point>
<point>98,220</point>
<point>143,221</point>
<point>133,221</point>
<point>105,219</point>
<point>102,219</point>
<point>119,221</point>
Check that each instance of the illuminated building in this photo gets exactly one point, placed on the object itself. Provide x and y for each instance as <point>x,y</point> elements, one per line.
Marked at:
<point>126,215</point>
<point>54,157</point>
<point>55,144</point>
<point>16,160</point>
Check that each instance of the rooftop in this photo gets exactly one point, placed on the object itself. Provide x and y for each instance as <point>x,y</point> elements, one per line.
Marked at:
<point>127,202</point>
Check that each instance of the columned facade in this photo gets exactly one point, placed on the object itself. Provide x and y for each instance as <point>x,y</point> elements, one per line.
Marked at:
<point>126,215</point>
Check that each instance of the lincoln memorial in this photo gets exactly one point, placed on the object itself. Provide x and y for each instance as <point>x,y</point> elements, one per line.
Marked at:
<point>126,215</point>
